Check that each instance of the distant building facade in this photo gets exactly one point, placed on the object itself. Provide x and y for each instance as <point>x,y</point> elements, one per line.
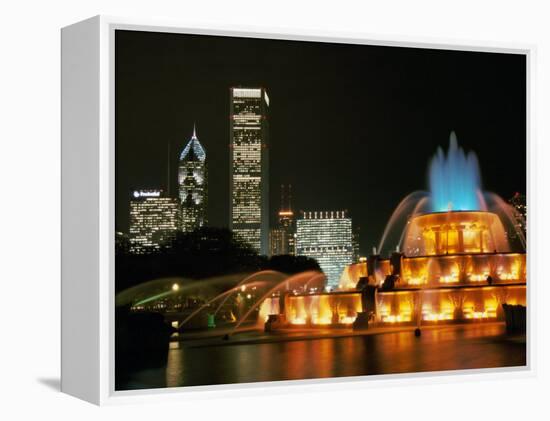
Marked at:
<point>326,237</point>
<point>154,220</point>
<point>193,185</point>
<point>282,239</point>
<point>519,202</point>
<point>249,167</point>
<point>355,243</point>
<point>277,242</point>
<point>122,243</point>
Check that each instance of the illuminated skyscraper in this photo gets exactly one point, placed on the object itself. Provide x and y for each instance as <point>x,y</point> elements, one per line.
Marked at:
<point>282,240</point>
<point>249,167</point>
<point>326,237</point>
<point>193,185</point>
<point>154,220</point>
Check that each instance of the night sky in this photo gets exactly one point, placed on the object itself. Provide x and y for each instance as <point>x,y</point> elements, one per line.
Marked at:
<point>351,126</point>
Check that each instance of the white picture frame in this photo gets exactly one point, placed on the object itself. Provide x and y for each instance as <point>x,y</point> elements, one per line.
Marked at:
<point>88,213</point>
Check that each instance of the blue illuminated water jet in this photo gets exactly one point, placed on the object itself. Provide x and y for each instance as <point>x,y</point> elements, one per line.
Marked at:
<point>454,179</point>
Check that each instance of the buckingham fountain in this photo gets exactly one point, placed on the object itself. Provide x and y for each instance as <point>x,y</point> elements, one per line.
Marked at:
<point>457,256</point>
<point>453,254</point>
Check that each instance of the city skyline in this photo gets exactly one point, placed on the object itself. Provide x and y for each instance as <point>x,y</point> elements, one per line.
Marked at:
<point>361,100</point>
<point>396,223</point>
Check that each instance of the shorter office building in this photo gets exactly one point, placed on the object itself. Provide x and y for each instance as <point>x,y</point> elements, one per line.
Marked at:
<point>327,238</point>
<point>154,220</point>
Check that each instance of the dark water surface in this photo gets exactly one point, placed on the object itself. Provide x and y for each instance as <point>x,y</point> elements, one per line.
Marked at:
<point>461,347</point>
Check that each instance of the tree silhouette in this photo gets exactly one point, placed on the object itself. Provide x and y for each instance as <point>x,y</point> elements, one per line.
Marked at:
<point>203,253</point>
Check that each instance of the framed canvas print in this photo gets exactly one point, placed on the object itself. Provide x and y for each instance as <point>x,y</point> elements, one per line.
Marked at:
<point>244,209</point>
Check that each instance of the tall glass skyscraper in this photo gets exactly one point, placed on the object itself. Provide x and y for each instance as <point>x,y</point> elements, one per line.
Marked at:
<point>326,237</point>
<point>193,185</point>
<point>154,220</point>
<point>249,167</point>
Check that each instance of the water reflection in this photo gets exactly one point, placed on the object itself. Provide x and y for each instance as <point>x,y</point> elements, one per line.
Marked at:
<point>450,348</point>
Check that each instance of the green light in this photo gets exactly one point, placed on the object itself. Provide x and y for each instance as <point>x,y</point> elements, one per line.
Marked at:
<point>211,321</point>
<point>153,298</point>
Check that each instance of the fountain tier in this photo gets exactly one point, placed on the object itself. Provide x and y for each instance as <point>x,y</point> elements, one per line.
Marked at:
<point>445,233</point>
